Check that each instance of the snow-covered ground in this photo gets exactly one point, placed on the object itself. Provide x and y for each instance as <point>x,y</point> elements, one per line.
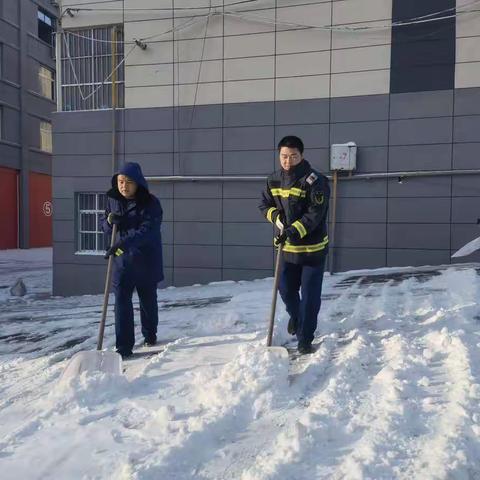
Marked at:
<point>392,391</point>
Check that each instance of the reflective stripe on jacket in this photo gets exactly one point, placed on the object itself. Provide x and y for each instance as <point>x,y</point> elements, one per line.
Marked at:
<point>300,197</point>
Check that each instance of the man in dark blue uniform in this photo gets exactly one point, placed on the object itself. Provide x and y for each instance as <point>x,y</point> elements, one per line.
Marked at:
<point>296,200</point>
<point>137,254</point>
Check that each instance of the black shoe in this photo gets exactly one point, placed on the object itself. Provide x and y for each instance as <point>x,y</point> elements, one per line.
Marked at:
<point>305,349</point>
<point>150,342</point>
<point>292,326</point>
<point>125,353</point>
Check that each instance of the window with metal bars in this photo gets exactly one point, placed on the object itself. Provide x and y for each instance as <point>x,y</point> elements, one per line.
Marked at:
<point>89,69</point>
<point>90,209</point>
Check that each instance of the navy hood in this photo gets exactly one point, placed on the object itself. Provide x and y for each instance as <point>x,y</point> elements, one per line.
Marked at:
<point>133,171</point>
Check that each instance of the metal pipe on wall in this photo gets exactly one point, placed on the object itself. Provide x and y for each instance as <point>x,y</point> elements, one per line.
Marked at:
<point>58,61</point>
<point>114,100</point>
<point>331,253</point>
<point>336,178</point>
<point>361,176</point>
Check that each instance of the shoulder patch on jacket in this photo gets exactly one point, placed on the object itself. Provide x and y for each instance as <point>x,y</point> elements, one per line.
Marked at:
<point>312,178</point>
<point>318,197</point>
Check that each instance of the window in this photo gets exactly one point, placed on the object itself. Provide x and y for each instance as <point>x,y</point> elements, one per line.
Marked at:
<point>90,209</point>
<point>46,136</point>
<point>1,58</point>
<point>1,122</point>
<point>46,27</point>
<point>46,79</point>
<point>87,67</point>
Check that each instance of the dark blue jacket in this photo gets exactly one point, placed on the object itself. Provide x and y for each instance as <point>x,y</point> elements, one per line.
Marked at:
<point>139,233</point>
<point>301,199</point>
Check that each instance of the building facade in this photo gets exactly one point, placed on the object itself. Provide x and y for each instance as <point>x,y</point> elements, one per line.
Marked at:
<point>27,101</point>
<point>206,89</point>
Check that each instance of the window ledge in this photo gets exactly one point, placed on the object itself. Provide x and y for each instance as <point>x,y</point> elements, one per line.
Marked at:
<point>9,143</point>
<point>95,253</point>
<point>38,150</point>
<point>9,82</point>
<point>42,42</point>
<point>39,95</point>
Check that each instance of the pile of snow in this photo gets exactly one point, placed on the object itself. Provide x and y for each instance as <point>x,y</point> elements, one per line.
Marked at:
<point>393,390</point>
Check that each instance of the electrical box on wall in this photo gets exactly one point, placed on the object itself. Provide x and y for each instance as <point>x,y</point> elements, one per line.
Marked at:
<point>343,156</point>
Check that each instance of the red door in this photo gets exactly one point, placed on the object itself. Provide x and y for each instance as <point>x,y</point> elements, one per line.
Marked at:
<point>40,190</point>
<point>8,208</point>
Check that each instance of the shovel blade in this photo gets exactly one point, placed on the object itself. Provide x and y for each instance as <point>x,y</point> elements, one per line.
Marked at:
<point>467,249</point>
<point>280,352</point>
<point>92,362</point>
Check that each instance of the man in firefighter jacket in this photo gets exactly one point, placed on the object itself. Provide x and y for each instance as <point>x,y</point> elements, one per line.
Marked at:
<point>296,200</point>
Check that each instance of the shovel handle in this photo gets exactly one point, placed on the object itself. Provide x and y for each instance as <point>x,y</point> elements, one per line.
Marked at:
<point>276,281</point>
<point>108,280</point>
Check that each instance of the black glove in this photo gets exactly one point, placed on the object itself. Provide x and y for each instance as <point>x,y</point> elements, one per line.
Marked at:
<point>280,239</point>
<point>115,219</point>
<point>115,250</point>
<point>289,233</point>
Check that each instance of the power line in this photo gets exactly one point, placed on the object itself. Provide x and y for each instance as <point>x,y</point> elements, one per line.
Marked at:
<point>451,9</point>
<point>134,42</point>
<point>344,28</point>
<point>158,9</point>
<point>428,18</point>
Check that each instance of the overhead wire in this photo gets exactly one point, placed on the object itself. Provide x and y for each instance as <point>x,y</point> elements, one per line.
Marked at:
<point>134,45</point>
<point>197,83</point>
<point>431,17</point>
<point>159,9</point>
<point>156,35</point>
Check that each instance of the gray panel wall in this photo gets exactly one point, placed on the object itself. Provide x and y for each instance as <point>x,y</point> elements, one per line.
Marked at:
<point>22,54</point>
<point>214,231</point>
<point>37,107</point>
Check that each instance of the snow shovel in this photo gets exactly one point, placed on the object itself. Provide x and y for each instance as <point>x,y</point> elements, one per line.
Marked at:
<point>467,249</point>
<point>97,360</point>
<point>280,351</point>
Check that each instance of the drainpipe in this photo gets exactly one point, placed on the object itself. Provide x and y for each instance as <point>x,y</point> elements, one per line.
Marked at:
<point>58,61</point>
<point>114,100</point>
<point>331,252</point>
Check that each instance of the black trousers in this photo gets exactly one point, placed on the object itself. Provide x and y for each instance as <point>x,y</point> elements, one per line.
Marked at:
<point>124,325</point>
<point>301,291</point>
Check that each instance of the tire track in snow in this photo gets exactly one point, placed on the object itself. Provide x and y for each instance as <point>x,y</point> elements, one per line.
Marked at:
<point>385,408</point>
<point>451,411</point>
<point>417,381</point>
<point>442,452</point>
<point>386,413</point>
<point>422,376</point>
